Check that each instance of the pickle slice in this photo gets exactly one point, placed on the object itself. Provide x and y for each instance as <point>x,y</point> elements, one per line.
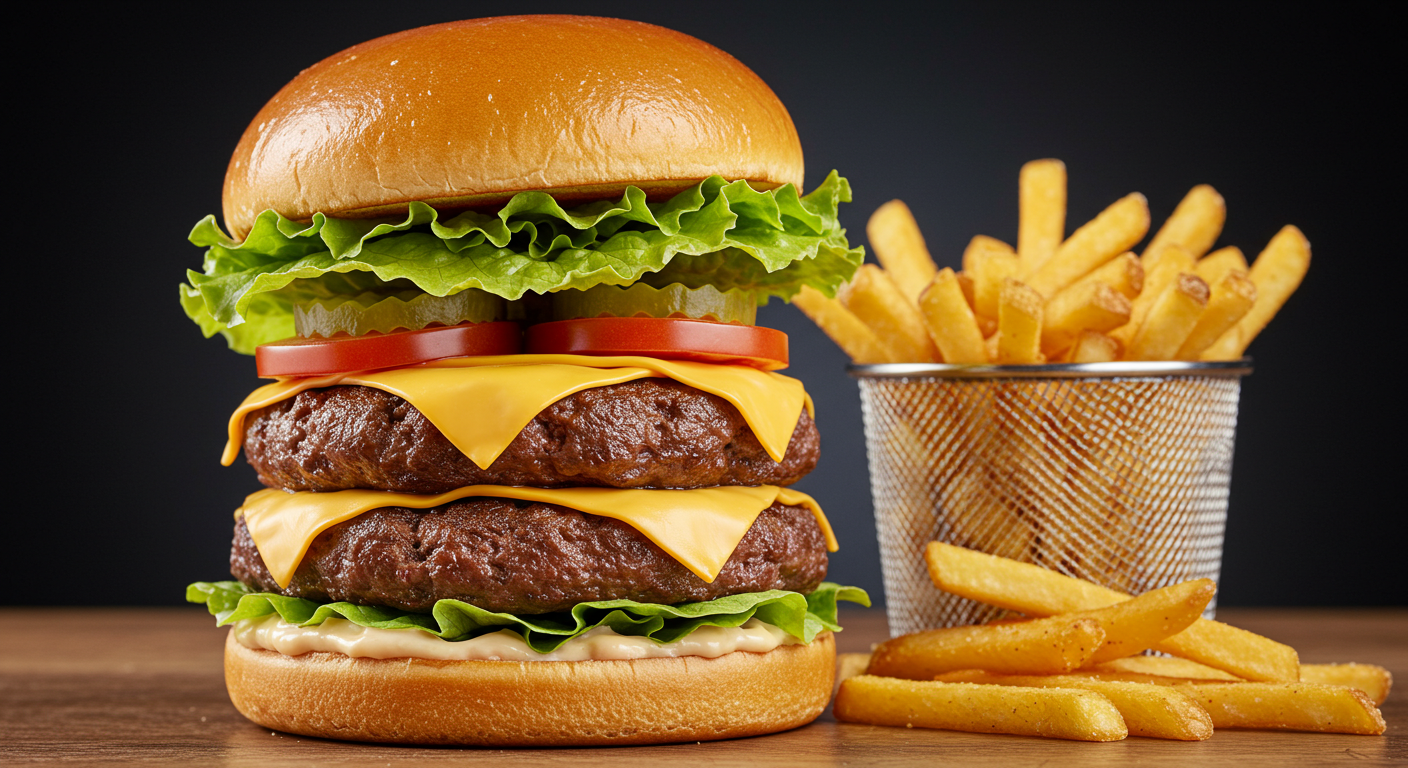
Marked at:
<point>640,300</point>
<point>407,310</point>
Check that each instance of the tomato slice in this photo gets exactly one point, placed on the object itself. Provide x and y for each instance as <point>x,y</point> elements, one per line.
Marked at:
<point>319,357</point>
<point>663,337</point>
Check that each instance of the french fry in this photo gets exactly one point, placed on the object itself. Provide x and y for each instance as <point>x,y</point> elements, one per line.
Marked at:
<point>1174,262</point>
<point>1277,273</point>
<point>1019,317</point>
<point>1168,666</point>
<point>1214,266</point>
<point>1152,711</point>
<point>1287,707</point>
<point>899,246</point>
<point>1092,306</point>
<point>1194,225</point>
<point>950,320</point>
<point>849,665</point>
<point>1372,679</point>
<point>1232,298</point>
<point>850,334</point>
<point>965,284</point>
<point>1094,347</point>
<point>1041,202</point>
<point>1036,591</point>
<point>1050,712</point>
<point>988,262</point>
<point>1171,320</point>
<point>1041,647</point>
<point>875,299</point>
<point>1124,273</point>
<point>1106,236</point>
<point>1134,625</point>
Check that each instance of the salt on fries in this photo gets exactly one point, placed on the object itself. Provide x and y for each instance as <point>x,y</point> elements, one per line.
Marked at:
<point>1057,291</point>
<point>1217,677</point>
<point>1152,711</point>
<point>1056,713</point>
<point>1036,591</point>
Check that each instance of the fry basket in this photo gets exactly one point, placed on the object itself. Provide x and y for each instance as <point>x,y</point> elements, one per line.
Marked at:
<point>1117,473</point>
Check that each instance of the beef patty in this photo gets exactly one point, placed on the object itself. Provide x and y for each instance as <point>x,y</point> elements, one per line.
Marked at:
<point>649,433</point>
<point>525,558</point>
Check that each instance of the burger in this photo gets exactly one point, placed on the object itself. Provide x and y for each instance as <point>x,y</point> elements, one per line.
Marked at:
<point>527,455</point>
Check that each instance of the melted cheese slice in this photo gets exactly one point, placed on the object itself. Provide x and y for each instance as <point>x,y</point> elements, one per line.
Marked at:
<point>700,527</point>
<point>481,403</point>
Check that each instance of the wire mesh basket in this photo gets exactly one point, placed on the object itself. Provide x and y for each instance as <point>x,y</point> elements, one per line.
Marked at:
<point>1113,472</point>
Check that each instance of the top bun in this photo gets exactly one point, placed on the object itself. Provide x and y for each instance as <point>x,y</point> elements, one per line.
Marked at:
<point>469,113</point>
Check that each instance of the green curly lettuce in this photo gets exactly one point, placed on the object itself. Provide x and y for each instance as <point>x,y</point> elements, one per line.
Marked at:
<point>723,233</point>
<point>801,616</point>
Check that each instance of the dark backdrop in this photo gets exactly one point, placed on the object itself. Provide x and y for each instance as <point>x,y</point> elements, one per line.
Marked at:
<point>130,116</point>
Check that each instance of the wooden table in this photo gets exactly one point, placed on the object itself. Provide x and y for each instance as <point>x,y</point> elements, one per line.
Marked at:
<point>144,686</point>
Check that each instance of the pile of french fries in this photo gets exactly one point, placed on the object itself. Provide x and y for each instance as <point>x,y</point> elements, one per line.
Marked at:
<point>1086,298</point>
<point>1069,666</point>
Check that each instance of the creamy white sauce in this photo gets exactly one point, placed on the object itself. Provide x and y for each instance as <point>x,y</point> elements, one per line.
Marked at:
<point>599,644</point>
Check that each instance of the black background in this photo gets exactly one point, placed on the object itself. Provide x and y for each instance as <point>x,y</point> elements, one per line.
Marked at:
<point>117,405</point>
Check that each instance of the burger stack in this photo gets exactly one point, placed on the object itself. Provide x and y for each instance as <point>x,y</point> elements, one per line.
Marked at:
<point>527,459</point>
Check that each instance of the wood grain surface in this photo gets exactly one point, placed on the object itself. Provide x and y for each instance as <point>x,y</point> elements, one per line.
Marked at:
<point>144,687</point>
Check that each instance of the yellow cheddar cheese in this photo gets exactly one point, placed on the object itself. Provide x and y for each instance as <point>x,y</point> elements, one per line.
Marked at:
<point>699,527</point>
<point>481,404</point>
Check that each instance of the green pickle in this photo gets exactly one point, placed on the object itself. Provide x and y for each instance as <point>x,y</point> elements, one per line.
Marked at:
<point>406,310</point>
<point>640,300</point>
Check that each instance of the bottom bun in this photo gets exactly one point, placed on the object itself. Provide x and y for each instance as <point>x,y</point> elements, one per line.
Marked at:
<point>536,703</point>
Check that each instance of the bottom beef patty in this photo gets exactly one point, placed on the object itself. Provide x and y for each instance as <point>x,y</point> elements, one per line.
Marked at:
<point>523,557</point>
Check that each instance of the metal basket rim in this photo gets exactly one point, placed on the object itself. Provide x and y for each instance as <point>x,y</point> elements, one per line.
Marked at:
<point>1156,368</point>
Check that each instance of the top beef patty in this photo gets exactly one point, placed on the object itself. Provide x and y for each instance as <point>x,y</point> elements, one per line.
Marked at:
<point>649,433</point>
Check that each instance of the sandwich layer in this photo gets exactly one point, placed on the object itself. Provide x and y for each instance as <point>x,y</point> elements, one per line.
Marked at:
<point>528,558</point>
<point>648,433</point>
<point>506,703</point>
<point>468,113</point>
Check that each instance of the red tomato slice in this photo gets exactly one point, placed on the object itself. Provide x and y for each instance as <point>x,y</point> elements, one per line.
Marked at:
<point>319,357</point>
<point>663,337</point>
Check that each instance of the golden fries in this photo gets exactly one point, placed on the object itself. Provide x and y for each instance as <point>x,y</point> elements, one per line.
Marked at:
<point>849,665</point>
<point>1167,666</point>
<point>1041,201</point>
<point>1042,647</point>
<point>1175,261</point>
<point>899,246</point>
<point>950,320</point>
<point>989,262</point>
<point>1171,320</point>
<point>1287,707</point>
<point>1113,232</point>
<point>1139,623</point>
<point>1093,347</point>
<point>1152,711</point>
<point>1124,273</point>
<point>1277,273</point>
<point>1036,591</point>
<point>1215,266</point>
<point>1232,298</point>
<point>1194,225</point>
<point>1088,306</point>
<point>1049,712</point>
<point>850,334</point>
<point>1372,679</point>
<point>875,299</point>
<point>1019,318</point>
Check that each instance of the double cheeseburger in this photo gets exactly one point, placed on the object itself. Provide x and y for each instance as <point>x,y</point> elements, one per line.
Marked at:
<point>527,457</point>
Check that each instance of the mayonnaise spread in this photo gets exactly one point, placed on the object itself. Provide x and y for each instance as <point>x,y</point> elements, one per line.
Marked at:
<point>599,644</point>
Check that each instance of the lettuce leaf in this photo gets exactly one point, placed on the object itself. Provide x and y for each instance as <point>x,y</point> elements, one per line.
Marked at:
<point>724,233</point>
<point>802,616</point>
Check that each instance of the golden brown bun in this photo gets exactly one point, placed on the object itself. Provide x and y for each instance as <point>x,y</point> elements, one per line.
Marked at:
<point>471,112</point>
<point>540,703</point>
